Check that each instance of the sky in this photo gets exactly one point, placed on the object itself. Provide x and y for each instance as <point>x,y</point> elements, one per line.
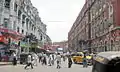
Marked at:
<point>58,15</point>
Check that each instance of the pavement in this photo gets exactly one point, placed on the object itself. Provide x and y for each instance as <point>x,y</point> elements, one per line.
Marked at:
<point>40,68</point>
<point>5,63</point>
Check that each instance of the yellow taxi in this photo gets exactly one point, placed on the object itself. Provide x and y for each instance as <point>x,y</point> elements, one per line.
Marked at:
<point>78,57</point>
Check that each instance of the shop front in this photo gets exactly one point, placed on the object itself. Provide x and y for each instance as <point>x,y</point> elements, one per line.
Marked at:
<point>9,43</point>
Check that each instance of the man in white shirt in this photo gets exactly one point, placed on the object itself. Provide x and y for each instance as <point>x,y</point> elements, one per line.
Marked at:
<point>29,63</point>
<point>40,57</point>
<point>44,59</point>
<point>35,61</point>
<point>58,58</point>
<point>50,60</point>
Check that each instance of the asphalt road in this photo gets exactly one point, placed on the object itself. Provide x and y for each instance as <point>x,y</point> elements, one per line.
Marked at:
<point>40,68</point>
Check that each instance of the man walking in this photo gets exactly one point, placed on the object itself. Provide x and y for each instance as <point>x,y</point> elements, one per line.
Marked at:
<point>44,59</point>
<point>40,57</point>
<point>85,62</point>
<point>69,62</point>
<point>35,61</point>
<point>14,59</point>
<point>50,60</point>
<point>58,58</point>
<point>29,63</point>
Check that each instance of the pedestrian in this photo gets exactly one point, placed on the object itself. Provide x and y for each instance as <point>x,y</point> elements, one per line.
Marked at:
<point>69,62</point>
<point>53,58</point>
<point>44,60</point>
<point>14,59</point>
<point>50,60</point>
<point>40,57</point>
<point>58,58</point>
<point>64,58</point>
<point>85,61</point>
<point>29,63</point>
<point>35,61</point>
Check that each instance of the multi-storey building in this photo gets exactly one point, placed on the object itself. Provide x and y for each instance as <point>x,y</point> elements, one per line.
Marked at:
<point>22,17</point>
<point>19,18</point>
<point>105,25</point>
<point>97,27</point>
<point>78,37</point>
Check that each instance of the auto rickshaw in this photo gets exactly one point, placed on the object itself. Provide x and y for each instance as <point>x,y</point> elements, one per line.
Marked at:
<point>106,62</point>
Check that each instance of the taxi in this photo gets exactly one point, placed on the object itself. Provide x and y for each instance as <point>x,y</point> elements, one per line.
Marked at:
<point>78,58</point>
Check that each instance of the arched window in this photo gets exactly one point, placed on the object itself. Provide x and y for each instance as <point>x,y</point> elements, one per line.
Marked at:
<point>18,29</point>
<point>7,4</point>
<point>19,14</point>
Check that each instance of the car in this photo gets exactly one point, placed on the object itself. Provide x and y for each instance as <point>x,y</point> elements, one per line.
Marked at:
<point>78,58</point>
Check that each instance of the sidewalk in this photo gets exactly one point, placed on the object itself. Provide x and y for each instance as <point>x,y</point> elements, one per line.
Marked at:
<point>5,63</point>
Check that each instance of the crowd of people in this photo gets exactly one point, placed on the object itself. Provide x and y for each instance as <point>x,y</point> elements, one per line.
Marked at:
<point>50,60</point>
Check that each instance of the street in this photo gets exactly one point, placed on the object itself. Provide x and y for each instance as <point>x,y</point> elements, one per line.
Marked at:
<point>40,68</point>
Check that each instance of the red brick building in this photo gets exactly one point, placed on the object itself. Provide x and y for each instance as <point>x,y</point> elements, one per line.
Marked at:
<point>97,27</point>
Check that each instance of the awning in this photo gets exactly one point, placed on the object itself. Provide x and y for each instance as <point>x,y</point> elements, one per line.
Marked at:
<point>3,39</point>
<point>40,50</point>
<point>10,31</point>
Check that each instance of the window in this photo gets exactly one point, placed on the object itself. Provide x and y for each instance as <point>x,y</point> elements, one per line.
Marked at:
<point>6,22</point>
<point>14,25</point>
<point>7,3</point>
<point>111,9</point>
<point>27,20</point>
<point>32,27</point>
<point>23,20</point>
<point>23,23</point>
<point>18,29</point>
<point>22,31</point>
<point>19,14</point>
<point>41,37</point>
<point>15,7</point>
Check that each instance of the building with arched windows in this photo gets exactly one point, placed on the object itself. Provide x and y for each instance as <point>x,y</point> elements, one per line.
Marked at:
<point>96,27</point>
<point>19,18</point>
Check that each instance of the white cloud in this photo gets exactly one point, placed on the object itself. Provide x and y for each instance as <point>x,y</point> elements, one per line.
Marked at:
<point>59,16</point>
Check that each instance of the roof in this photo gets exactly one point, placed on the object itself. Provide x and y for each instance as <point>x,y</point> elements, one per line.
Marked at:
<point>109,55</point>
